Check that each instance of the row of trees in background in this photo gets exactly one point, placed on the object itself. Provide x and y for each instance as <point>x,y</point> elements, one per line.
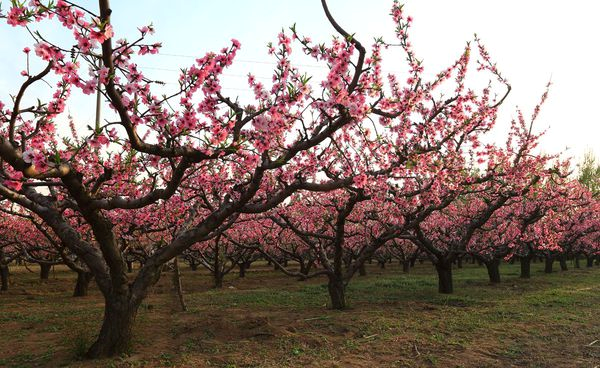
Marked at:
<point>328,175</point>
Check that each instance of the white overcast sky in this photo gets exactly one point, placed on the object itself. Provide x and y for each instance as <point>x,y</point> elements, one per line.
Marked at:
<point>532,42</point>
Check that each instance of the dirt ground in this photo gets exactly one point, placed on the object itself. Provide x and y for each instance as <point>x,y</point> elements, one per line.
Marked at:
<point>270,320</point>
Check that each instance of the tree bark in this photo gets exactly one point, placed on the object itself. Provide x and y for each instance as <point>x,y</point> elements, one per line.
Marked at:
<point>4,277</point>
<point>82,284</point>
<point>493,270</point>
<point>444,271</point>
<point>590,261</point>
<point>577,262</point>
<point>336,289</point>
<point>563,262</point>
<point>44,271</point>
<point>218,279</point>
<point>459,262</point>
<point>526,267</point>
<point>242,267</point>
<point>305,268</point>
<point>548,264</point>
<point>177,284</point>
<point>362,270</point>
<point>405,266</point>
<point>116,331</point>
<point>129,266</point>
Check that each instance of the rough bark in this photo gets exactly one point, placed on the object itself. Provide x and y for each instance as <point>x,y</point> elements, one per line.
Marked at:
<point>177,285</point>
<point>362,270</point>
<point>115,334</point>
<point>45,271</point>
<point>82,284</point>
<point>493,270</point>
<point>444,271</point>
<point>305,268</point>
<point>548,264</point>
<point>218,279</point>
<point>242,266</point>
<point>406,266</point>
<point>562,260</point>
<point>590,261</point>
<point>525,267</point>
<point>337,296</point>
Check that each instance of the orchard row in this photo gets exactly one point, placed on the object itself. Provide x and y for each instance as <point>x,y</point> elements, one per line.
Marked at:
<point>330,173</point>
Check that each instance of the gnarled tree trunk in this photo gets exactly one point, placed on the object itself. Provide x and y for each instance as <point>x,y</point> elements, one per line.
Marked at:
<point>83,283</point>
<point>589,261</point>
<point>444,271</point>
<point>493,270</point>
<point>337,290</point>
<point>242,266</point>
<point>405,266</point>
<point>526,267</point>
<point>362,270</point>
<point>116,331</point>
<point>563,262</point>
<point>45,271</point>
<point>548,264</point>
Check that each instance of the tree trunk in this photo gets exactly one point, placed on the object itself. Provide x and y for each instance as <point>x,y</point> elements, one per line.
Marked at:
<point>381,264</point>
<point>129,266</point>
<point>4,277</point>
<point>336,293</point>
<point>459,262</point>
<point>493,269</point>
<point>590,261</point>
<point>597,260</point>
<point>82,284</point>
<point>115,334</point>
<point>405,266</point>
<point>194,266</point>
<point>177,284</point>
<point>305,268</point>
<point>548,264</point>
<point>242,267</point>
<point>44,271</point>
<point>444,271</point>
<point>218,278</point>
<point>526,267</point>
<point>562,260</point>
<point>577,263</point>
<point>362,270</point>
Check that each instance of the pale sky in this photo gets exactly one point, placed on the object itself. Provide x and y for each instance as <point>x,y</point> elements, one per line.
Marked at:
<point>532,42</point>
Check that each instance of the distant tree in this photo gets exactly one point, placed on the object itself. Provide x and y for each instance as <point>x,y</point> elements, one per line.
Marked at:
<point>589,173</point>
